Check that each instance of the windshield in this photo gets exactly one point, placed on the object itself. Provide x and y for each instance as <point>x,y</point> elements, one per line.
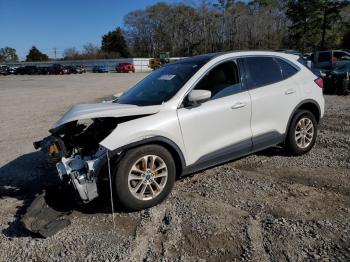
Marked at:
<point>161,85</point>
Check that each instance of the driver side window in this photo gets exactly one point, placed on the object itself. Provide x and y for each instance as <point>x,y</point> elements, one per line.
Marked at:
<point>223,80</point>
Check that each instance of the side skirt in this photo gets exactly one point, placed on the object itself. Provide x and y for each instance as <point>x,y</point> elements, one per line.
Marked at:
<point>235,151</point>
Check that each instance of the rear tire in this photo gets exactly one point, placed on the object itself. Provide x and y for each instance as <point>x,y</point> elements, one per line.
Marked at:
<point>302,133</point>
<point>144,177</point>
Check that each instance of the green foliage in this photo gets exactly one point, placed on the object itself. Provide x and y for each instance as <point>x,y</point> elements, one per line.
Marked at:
<point>35,55</point>
<point>8,54</point>
<point>114,43</point>
<point>315,24</point>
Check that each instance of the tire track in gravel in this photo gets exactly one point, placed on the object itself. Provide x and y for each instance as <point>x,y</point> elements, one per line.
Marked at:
<point>147,232</point>
<point>158,233</point>
<point>256,241</point>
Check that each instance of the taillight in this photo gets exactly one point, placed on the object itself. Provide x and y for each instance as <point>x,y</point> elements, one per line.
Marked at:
<point>319,82</point>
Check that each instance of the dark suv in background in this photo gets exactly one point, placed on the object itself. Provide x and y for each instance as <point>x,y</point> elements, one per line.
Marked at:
<point>334,67</point>
<point>329,60</point>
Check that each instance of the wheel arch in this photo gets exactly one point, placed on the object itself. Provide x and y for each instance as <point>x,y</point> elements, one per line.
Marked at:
<point>168,144</point>
<point>308,105</point>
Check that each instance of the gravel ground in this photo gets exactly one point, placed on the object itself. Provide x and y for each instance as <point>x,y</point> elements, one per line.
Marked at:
<point>265,207</point>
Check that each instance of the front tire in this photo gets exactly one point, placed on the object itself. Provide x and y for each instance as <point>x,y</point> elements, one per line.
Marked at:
<point>144,177</point>
<point>302,133</point>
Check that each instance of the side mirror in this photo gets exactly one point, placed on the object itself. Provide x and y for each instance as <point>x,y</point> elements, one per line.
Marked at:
<point>196,97</point>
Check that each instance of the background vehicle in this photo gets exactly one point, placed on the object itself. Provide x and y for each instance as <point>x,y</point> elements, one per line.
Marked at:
<point>44,70</point>
<point>57,69</point>
<point>150,134</point>
<point>4,70</point>
<point>80,69</point>
<point>125,68</point>
<point>67,70</point>
<point>70,69</point>
<point>329,60</point>
<point>27,70</point>
<point>13,70</point>
<point>155,63</point>
<point>100,69</point>
<point>338,80</point>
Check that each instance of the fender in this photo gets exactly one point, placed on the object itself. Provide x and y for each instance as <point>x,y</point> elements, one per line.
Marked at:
<point>169,144</point>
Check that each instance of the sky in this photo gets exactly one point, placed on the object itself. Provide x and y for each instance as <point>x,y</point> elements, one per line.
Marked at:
<point>50,24</point>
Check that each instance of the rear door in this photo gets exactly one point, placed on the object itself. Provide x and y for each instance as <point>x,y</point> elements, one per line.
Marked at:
<point>274,95</point>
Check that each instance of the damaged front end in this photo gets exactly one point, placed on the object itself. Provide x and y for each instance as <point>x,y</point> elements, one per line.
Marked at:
<point>74,149</point>
<point>74,144</point>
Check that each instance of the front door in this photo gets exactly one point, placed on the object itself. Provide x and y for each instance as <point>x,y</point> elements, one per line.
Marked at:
<point>218,129</point>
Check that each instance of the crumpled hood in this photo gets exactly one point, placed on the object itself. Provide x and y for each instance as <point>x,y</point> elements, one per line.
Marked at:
<point>88,111</point>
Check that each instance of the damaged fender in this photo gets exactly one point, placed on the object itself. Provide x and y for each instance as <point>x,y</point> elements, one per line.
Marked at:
<point>127,132</point>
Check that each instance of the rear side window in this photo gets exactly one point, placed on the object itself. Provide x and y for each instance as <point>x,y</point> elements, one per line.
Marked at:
<point>324,57</point>
<point>262,71</point>
<point>287,69</point>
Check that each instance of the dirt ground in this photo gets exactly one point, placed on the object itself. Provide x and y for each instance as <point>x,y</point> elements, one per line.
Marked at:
<point>265,207</point>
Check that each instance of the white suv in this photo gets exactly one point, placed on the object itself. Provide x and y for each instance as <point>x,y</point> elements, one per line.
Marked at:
<point>184,117</point>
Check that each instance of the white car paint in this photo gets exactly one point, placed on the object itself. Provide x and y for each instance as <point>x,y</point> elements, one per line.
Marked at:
<point>206,128</point>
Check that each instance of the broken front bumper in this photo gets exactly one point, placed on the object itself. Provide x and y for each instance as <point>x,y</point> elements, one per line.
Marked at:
<point>82,172</point>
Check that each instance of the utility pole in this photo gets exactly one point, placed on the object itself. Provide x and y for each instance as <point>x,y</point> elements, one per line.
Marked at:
<point>55,51</point>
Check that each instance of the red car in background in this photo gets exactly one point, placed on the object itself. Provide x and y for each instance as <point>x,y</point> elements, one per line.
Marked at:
<point>125,68</point>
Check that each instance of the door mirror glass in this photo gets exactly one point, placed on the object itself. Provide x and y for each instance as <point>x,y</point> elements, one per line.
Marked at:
<point>198,96</point>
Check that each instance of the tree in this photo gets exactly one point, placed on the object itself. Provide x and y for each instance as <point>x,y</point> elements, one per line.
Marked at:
<point>114,43</point>
<point>211,26</point>
<point>91,51</point>
<point>312,20</point>
<point>70,53</point>
<point>331,15</point>
<point>8,54</point>
<point>35,55</point>
<point>224,25</point>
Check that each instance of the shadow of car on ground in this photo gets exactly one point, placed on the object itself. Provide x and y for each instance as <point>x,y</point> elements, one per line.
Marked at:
<point>29,175</point>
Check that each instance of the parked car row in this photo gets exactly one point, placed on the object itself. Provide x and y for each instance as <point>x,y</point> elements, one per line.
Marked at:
<point>55,69</point>
<point>6,70</point>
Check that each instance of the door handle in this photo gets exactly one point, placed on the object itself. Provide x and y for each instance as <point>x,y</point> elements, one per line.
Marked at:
<point>289,92</point>
<point>238,105</point>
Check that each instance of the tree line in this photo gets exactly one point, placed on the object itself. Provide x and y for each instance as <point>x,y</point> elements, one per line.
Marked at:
<point>223,25</point>
<point>218,25</point>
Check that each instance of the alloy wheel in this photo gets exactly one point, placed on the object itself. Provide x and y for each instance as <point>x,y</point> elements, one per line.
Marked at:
<point>147,177</point>
<point>304,132</point>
